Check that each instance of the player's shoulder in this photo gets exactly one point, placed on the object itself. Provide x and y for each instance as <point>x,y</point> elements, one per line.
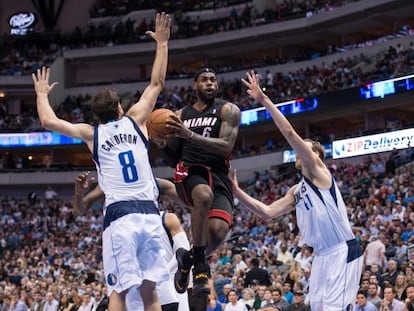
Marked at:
<point>227,105</point>
<point>223,102</point>
<point>230,111</point>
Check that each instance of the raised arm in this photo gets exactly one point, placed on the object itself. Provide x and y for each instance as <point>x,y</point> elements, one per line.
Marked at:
<point>222,145</point>
<point>277,208</point>
<point>82,201</point>
<point>47,116</point>
<point>310,159</point>
<point>141,110</point>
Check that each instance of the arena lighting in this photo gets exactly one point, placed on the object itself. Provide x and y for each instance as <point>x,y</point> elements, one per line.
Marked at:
<point>384,88</point>
<point>2,94</point>
<point>295,106</point>
<point>36,139</point>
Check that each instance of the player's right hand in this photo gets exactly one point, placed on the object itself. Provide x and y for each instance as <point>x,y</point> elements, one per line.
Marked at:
<point>83,182</point>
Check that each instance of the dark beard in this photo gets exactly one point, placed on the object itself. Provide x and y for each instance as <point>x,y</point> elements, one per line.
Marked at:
<point>207,99</point>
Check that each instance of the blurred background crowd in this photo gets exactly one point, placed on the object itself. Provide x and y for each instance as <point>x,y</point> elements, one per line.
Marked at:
<point>51,260</point>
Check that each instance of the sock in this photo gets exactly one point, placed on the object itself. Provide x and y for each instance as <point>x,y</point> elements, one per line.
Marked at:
<point>199,253</point>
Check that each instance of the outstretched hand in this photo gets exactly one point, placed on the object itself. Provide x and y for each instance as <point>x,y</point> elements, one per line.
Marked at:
<point>83,182</point>
<point>162,28</point>
<point>41,81</point>
<point>233,177</point>
<point>252,83</point>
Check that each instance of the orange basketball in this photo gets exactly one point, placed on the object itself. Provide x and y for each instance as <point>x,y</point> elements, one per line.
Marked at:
<point>157,123</point>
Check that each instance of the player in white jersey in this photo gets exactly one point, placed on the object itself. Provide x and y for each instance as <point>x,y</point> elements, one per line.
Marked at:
<point>321,216</point>
<point>132,252</point>
<point>172,238</point>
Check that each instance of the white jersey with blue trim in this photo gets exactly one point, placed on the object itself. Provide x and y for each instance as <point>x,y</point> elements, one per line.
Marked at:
<point>121,157</point>
<point>321,215</point>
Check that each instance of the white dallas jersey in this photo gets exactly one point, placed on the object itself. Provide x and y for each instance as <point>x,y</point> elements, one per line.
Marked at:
<point>321,215</point>
<point>120,154</point>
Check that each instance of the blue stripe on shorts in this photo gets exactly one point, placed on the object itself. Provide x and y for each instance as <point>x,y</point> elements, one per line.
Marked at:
<point>354,250</point>
<point>118,209</point>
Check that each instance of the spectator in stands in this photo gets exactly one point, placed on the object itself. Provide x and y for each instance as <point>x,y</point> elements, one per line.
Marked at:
<point>375,252</point>
<point>390,303</point>
<point>363,304</point>
<point>87,302</point>
<point>409,301</point>
<point>65,304</point>
<point>255,273</point>
<point>392,271</point>
<point>50,194</point>
<point>364,285</point>
<point>304,257</point>
<point>288,291</point>
<point>77,302</point>
<point>284,255</point>
<point>278,300</point>
<point>298,303</point>
<point>51,304</point>
<point>260,290</point>
<point>234,304</point>
<point>248,297</point>
<point>16,301</point>
<point>239,265</point>
<point>408,233</point>
<point>400,286</point>
<point>38,302</point>
<point>223,296</point>
<point>101,301</point>
<point>373,295</point>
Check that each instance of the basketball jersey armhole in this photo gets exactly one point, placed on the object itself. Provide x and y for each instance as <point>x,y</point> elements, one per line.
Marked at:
<point>144,139</point>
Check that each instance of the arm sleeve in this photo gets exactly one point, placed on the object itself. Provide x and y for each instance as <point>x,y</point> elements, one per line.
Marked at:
<point>180,240</point>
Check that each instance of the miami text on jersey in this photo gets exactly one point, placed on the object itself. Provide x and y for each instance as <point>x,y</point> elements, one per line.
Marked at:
<point>201,121</point>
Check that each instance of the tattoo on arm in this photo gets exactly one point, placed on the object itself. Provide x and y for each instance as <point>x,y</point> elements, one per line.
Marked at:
<point>230,126</point>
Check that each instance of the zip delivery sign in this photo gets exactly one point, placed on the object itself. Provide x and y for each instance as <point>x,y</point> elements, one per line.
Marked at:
<point>372,144</point>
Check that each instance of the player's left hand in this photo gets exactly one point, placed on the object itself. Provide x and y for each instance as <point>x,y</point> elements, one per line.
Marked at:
<point>41,81</point>
<point>252,83</point>
<point>178,128</point>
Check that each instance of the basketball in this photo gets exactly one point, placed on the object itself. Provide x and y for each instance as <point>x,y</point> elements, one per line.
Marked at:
<point>157,123</point>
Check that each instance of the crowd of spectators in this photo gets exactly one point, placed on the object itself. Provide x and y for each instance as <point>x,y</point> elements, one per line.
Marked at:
<point>21,55</point>
<point>48,256</point>
<point>104,8</point>
<point>307,82</point>
<point>303,83</point>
